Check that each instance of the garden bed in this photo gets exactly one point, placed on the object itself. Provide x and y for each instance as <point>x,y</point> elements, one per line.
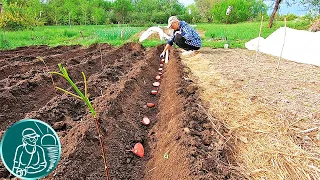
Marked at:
<point>180,142</point>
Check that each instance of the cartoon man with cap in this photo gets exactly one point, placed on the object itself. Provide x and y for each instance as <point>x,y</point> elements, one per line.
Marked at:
<point>29,157</point>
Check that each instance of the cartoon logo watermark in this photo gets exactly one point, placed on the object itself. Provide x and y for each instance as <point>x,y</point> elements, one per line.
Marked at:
<point>30,149</point>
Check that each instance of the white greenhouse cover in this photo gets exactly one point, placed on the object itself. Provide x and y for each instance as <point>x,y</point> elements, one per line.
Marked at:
<point>151,30</point>
<point>300,46</point>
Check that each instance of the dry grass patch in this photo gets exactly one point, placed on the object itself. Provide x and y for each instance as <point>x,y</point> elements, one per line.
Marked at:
<point>273,115</point>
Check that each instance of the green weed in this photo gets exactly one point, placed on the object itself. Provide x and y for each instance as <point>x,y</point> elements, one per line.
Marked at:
<point>84,97</point>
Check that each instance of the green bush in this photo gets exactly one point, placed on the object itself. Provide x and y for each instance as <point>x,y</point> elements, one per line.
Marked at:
<point>308,17</point>
<point>259,17</point>
<point>159,17</point>
<point>301,24</point>
<point>242,10</point>
<point>289,17</point>
<point>15,17</point>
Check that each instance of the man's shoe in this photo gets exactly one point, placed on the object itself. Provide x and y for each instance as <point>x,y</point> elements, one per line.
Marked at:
<point>190,53</point>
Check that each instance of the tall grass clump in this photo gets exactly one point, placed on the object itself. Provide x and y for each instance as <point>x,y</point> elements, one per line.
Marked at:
<point>115,33</point>
<point>85,98</point>
<point>65,35</point>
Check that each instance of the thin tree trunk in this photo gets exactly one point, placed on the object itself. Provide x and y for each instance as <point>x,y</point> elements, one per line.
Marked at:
<point>85,18</point>
<point>275,9</point>
<point>4,36</point>
<point>69,19</point>
<point>55,16</point>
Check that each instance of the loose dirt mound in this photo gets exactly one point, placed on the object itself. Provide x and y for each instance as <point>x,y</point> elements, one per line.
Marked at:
<point>120,81</point>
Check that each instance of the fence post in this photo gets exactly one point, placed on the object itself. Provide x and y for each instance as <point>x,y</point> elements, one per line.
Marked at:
<point>284,41</point>
<point>258,46</point>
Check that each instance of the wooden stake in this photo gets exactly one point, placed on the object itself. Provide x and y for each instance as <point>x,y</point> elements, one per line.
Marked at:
<point>122,34</point>
<point>69,19</point>
<point>284,40</point>
<point>102,148</point>
<point>257,51</point>
<point>100,55</point>
<point>167,57</point>
<point>4,37</point>
<point>81,34</point>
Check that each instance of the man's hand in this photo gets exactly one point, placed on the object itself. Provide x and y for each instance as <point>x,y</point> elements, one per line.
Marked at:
<point>162,55</point>
<point>21,172</point>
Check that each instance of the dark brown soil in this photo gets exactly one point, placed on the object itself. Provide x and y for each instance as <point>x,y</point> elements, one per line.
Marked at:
<point>119,85</point>
<point>185,133</point>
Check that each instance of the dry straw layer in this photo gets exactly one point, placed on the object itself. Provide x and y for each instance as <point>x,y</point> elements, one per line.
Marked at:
<point>273,115</point>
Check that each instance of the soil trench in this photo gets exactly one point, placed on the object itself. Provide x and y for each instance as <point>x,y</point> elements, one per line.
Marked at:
<point>180,142</point>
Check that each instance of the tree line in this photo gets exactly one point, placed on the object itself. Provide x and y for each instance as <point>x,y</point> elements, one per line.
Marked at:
<point>21,14</point>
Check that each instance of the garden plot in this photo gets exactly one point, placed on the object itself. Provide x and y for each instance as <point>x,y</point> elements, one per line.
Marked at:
<point>180,142</point>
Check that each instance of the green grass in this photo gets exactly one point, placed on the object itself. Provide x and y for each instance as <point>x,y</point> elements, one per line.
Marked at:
<point>238,34</point>
<point>214,35</point>
<point>65,35</point>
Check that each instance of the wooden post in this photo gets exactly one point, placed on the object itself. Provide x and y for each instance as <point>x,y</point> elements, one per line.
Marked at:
<point>257,51</point>
<point>69,19</point>
<point>81,34</point>
<point>85,18</point>
<point>167,57</point>
<point>122,34</point>
<point>284,40</point>
<point>101,56</point>
<point>4,31</point>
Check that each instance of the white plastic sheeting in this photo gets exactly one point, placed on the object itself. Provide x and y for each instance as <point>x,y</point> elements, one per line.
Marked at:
<point>300,46</point>
<point>151,30</point>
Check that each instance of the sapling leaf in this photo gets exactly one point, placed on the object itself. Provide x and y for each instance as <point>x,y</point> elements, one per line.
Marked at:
<point>40,58</point>
<point>74,86</point>
<point>85,85</point>
<point>67,92</point>
<point>84,97</point>
<point>57,74</point>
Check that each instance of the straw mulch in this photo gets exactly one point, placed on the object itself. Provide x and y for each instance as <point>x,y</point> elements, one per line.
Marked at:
<point>273,114</point>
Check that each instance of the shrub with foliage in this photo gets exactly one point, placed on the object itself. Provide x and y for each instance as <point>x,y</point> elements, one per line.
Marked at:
<point>194,17</point>
<point>242,10</point>
<point>289,17</point>
<point>14,17</point>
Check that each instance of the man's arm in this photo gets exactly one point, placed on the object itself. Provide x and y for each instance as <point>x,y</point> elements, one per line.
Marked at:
<point>16,160</point>
<point>166,48</point>
<point>169,44</point>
